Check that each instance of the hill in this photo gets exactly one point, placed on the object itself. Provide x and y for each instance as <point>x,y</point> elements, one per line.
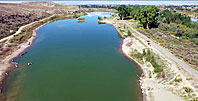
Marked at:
<point>14,15</point>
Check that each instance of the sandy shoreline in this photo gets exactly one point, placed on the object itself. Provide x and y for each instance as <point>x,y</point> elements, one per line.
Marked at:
<point>143,96</point>
<point>144,80</point>
<point>8,61</point>
<point>125,54</point>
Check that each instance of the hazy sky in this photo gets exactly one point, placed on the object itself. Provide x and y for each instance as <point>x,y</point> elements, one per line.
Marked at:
<point>132,2</point>
<point>121,2</point>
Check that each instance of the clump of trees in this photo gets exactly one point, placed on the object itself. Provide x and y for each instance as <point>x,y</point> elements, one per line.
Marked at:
<point>167,17</point>
<point>147,15</point>
<point>152,17</point>
<point>178,18</point>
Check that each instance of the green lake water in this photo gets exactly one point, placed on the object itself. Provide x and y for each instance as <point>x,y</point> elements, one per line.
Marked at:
<point>74,62</point>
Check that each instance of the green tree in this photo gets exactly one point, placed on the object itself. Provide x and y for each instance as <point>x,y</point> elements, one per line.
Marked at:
<point>148,16</point>
<point>166,16</point>
<point>123,11</point>
<point>134,12</point>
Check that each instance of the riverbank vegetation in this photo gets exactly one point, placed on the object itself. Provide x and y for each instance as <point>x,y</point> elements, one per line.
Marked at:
<point>173,31</point>
<point>150,57</point>
<point>151,17</point>
<point>27,32</point>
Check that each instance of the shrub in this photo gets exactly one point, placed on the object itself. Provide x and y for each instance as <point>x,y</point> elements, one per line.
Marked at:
<point>195,40</point>
<point>185,35</point>
<point>178,79</point>
<point>180,32</point>
<point>99,18</point>
<point>187,89</point>
<point>139,55</point>
<point>194,35</point>
<point>144,52</point>
<point>129,33</point>
<point>157,68</point>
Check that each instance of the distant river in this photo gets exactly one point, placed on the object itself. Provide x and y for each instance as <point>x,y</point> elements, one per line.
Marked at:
<point>74,61</point>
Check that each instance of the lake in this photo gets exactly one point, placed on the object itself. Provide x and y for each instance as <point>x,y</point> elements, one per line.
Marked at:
<point>74,61</point>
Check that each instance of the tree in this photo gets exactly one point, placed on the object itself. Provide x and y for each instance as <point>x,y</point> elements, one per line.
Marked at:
<point>166,16</point>
<point>123,11</point>
<point>148,16</point>
<point>134,12</point>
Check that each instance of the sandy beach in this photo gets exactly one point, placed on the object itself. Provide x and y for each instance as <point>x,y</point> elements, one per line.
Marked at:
<point>152,90</point>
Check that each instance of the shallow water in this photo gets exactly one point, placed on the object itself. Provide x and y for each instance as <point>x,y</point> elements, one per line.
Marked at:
<point>74,62</point>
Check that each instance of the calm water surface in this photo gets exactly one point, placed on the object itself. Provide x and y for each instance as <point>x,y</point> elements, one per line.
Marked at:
<point>74,62</point>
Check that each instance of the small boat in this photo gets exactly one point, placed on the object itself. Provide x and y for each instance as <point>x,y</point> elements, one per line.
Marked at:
<point>29,63</point>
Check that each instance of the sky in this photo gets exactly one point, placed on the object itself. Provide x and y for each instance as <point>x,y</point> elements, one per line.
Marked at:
<point>132,2</point>
<point>178,2</point>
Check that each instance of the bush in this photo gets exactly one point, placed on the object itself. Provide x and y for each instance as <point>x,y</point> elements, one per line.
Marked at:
<point>188,89</point>
<point>178,79</point>
<point>157,68</point>
<point>180,32</point>
<point>151,58</point>
<point>194,35</point>
<point>195,40</point>
<point>139,55</point>
<point>185,36</point>
<point>144,52</point>
<point>99,18</point>
<point>129,33</point>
